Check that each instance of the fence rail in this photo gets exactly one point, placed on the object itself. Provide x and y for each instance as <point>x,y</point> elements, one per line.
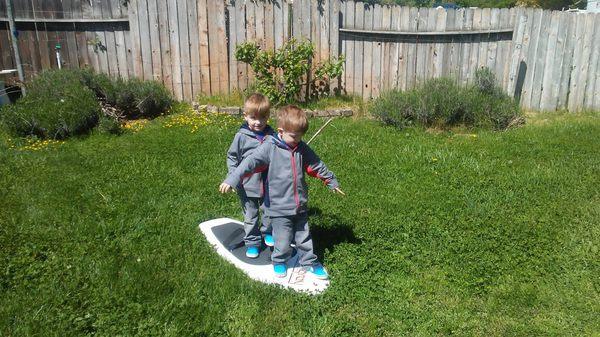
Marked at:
<point>547,59</point>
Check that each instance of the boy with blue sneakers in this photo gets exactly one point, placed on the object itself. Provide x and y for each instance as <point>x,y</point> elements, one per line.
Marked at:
<point>286,195</point>
<point>250,189</point>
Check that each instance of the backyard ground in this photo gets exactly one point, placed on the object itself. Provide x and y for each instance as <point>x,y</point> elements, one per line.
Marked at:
<point>441,233</point>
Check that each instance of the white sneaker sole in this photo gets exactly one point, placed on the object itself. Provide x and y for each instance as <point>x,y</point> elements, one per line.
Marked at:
<point>321,277</point>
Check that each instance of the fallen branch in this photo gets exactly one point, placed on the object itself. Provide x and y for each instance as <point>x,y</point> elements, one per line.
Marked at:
<point>319,131</point>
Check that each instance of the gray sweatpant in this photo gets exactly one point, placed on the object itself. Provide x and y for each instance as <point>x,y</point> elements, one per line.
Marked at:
<point>292,228</point>
<point>252,225</point>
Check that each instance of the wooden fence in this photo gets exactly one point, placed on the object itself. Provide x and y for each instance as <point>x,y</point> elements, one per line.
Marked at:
<point>547,59</point>
<point>91,33</point>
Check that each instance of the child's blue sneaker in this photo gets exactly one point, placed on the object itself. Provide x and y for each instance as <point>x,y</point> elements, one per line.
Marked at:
<point>280,269</point>
<point>318,271</point>
<point>269,240</point>
<point>252,252</point>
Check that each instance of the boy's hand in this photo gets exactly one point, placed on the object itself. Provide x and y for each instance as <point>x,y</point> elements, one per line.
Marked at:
<point>224,188</point>
<point>337,190</point>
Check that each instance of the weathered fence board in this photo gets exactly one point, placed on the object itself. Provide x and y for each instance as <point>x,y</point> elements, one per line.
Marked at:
<point>592,87</point>
<point>375,69</point>
<point>529,59</point>
<point>348,47</point>
<point>568,29</point>
<point>538,70</point>
<point>165,45</point>
<point>221,60</point>
<point>421,52</point>
<point>278,24</point>
<point>388,58</point>
<point>250,32</point>
<point>184,49</point>
<point>592,96</point>
<point>411,47</point>
<point>546,100</point>
<point>206,86</point>
<point>315,36</point>
<point>578,60</point>
<point>269,33</point>
<point>176,61</point>
<point>240,37</point>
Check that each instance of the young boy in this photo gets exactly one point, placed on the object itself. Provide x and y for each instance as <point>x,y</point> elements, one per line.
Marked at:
<point>250,189</point>
<point>286,195</point>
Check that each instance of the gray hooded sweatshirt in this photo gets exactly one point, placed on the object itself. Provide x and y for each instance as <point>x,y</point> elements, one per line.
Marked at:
<point>286,191</point>
<point>244,143</point>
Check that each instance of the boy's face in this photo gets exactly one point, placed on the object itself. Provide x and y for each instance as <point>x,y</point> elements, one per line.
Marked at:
<point>256,123</point>
<point>290,138</point>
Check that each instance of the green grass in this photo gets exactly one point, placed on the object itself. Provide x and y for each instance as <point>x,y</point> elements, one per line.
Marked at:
<point>485,234</point>
<point>334,102</point>
<point>237,99</point>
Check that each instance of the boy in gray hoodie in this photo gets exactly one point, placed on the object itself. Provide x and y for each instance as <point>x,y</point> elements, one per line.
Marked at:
<point>250,189</point>
<point>286,194</point>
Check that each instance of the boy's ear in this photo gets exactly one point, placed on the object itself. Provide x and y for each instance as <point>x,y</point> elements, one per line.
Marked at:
<point>279,130</point>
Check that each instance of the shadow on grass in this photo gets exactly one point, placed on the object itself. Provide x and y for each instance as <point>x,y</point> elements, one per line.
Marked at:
<point>328,231</point>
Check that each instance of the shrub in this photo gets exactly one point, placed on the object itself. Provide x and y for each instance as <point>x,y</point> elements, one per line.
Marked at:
<point>108,124</point>
<point>280,74</point>
<point>101,84</point>
<point>396,108</point>
<point>134,98</point>
<point>57,106</point>
<point>140,99</point>
<point>64,102</point>
<point>440,102</point>
<point>485,81</point>
<point>492,111</point>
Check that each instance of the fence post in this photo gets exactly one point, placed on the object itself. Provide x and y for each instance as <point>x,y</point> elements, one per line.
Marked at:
<point>290,18</point>
<point>13,37</point>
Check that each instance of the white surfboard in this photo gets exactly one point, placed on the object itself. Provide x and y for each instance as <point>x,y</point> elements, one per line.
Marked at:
<point>226,236</point>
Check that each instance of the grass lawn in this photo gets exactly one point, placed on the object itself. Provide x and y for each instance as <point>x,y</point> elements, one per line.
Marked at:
<point>334,102</point>
<point>485,233</point>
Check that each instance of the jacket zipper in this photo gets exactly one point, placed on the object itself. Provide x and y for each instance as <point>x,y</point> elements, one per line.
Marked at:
<point>295,182</point>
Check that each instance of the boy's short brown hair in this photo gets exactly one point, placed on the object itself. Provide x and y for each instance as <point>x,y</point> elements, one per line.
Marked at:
<point>257,105</point>
<point>292,119</point>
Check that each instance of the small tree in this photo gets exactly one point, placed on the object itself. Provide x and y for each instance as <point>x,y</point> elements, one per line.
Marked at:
<point>281,74</point>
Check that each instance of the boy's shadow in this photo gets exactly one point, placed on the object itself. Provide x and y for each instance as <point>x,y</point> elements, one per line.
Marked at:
<point>328,230</point>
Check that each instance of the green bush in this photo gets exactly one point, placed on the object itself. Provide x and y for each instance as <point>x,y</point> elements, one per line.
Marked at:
<point>280,75</point>
<point>64,102</point>
<point>101,84</point>
<point>57,106</point>
<point>545,4</point>
<point>139,99</point>
<point>485,81</point>
<point>135,98</point>
<point>108,124</point>
<point>396,108</point>
<point>441,103</point>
